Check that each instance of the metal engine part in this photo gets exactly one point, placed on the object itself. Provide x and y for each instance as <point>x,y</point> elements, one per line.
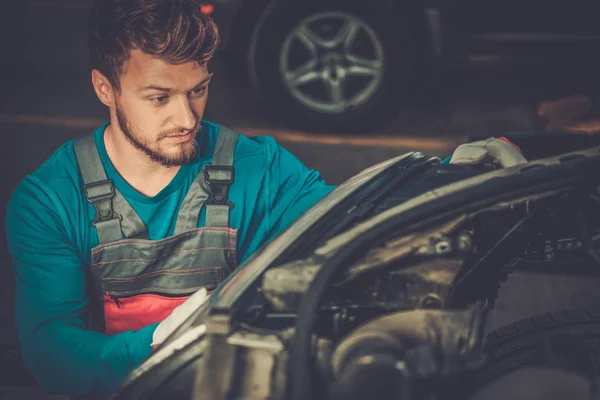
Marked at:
<point>425,282</point>
<point>250,364</point>
<point>284,286</point>
<point>404,351</point>
<point>241,365</point>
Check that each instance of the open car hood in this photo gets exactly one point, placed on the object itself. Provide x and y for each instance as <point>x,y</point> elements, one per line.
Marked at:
<point>436,201</point>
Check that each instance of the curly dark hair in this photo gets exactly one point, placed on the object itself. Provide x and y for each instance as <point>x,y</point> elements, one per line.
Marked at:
<point>173,30</point>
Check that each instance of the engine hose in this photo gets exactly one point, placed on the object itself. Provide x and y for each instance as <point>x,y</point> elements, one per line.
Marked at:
<point>300,376</point>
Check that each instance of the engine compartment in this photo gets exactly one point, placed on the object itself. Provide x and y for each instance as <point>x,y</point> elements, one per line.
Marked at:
<point>451,266</point>
<point>411,312</point>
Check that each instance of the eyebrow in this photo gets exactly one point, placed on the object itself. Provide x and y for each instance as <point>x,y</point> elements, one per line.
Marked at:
<point>169,90</point>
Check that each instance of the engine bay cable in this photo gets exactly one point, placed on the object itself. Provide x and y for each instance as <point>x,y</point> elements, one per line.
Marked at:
<point>301,378</point>
<point>495,247</point>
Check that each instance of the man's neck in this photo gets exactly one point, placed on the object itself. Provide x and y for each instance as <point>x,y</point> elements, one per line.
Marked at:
<point>144,175</point>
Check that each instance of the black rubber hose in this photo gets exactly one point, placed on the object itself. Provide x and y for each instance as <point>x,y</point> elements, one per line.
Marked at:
<point>300,376</point>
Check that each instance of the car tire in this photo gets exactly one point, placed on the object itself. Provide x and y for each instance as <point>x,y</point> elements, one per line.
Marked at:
<point>386,89</point>
<point>567,340</point>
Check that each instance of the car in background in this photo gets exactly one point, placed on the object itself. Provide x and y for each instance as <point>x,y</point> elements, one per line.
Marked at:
<point>347,66</point>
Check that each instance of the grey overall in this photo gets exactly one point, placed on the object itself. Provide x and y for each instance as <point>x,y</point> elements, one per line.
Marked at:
<point>134,281</point>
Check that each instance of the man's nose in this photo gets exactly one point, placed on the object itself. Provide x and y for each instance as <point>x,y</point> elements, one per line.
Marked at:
<point>185,118</point>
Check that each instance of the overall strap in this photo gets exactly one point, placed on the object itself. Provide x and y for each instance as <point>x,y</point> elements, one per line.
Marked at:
<point>210,188</point>
<point>101,192</point>
<point>219,177</point>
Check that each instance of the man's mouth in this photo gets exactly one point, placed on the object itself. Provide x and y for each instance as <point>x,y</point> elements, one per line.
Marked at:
<point>180,138</point>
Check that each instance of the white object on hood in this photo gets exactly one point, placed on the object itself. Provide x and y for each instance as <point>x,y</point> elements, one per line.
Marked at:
<point>178,316</point>
<point>492,150</point>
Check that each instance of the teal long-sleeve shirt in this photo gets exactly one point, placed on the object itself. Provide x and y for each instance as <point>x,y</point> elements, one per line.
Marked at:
<point>50,236</point>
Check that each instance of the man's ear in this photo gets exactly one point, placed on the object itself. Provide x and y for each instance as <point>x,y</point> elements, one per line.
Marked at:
<point>103,88</point>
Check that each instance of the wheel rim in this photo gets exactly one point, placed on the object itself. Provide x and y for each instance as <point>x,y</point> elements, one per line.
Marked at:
<point>332,62</point>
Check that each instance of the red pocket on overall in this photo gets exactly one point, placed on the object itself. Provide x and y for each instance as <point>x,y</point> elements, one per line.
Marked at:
<point>133,313</point>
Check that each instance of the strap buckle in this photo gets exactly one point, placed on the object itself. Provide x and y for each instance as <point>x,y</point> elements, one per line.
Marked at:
<point>218,178</point>
<point>99,191</point>
<point>100,194</point>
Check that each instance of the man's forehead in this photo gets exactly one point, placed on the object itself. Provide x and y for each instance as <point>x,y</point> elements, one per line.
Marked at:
<point>144,69</point>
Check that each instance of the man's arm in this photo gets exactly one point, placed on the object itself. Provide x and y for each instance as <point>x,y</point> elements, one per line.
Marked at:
<point>51,299</point>
<point>293,189</point>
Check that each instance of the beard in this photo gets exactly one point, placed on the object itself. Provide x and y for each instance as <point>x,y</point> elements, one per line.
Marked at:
<point>186,153</point>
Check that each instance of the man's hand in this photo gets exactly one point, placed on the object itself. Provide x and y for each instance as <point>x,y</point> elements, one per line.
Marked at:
<point>179,314</point>
<point>499,152</point>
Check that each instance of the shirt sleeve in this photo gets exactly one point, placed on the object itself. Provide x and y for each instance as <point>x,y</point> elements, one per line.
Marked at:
<point>50,303</point>
<point>293,189</point>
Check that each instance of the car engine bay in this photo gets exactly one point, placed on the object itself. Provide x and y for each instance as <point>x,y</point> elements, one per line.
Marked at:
<point>407,317</point>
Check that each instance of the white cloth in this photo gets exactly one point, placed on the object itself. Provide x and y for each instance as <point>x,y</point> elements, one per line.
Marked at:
<point>491,150</point>
<point>178,316</point>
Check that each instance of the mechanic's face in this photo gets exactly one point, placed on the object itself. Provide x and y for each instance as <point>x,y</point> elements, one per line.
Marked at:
<point>160,107</point>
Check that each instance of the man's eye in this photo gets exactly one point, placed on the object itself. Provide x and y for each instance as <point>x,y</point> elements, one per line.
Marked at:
<point>199,91</point>
<point>159,100</point>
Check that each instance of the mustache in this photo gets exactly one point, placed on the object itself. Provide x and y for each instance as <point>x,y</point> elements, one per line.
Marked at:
<point>179,132</point>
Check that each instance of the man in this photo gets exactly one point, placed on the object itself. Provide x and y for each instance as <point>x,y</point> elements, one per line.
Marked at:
<point>128,200</point>
<point>113,233</point>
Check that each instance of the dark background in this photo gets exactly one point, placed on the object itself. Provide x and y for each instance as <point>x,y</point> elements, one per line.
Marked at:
<point>48,99</point>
